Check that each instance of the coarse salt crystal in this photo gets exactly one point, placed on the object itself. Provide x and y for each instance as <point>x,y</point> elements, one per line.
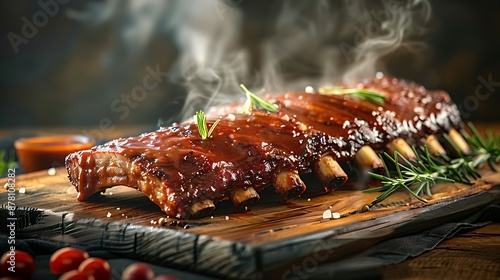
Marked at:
<point>51,171</point>
<point>327,214</point>
<point>108,215</point>
<point>336,215</point>
<point>22,190</point>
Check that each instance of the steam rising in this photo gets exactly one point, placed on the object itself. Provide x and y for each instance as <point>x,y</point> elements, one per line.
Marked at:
<point>310,42</point>
<point>395,28</point>
<point>211,65</point>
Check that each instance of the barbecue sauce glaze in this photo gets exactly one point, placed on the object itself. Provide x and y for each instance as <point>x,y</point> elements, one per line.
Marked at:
<point>251,149</point>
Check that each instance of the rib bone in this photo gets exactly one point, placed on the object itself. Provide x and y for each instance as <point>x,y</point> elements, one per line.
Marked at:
<point>433,146</point>
<point>367,158</point>
<point>243,198</point>
<point>330,173</point>
<point>289,185</point>
<point>459,142</point>
<point>202,208</point>
<point>401,146</point>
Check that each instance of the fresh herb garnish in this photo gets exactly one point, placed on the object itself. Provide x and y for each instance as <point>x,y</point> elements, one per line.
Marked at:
<point>484,148</point>
<point>6,164</point>
<point>254,100</point>
<point>365,94</point>
<point>420,176</point>
<point>201,121</point>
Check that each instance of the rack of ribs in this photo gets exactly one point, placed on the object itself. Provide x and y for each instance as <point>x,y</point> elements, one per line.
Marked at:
<point>186,175</point>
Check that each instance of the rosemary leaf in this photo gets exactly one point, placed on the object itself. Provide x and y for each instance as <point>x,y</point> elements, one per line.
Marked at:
<point>201,121</point>
<point>365,94</point>
<point>486,149</point>
<point>213,127</point>
<point>254,100</point>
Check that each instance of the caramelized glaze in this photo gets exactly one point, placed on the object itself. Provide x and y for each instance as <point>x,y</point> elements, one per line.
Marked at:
<point>251,149</point>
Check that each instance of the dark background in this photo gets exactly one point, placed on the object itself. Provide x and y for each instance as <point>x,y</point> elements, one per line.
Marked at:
<point>70,72</point>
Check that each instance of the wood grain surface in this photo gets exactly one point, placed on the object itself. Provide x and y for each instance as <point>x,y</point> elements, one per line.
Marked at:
<point>474,254</point>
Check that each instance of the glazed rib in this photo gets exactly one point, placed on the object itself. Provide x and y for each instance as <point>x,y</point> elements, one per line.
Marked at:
<point>185,175</point>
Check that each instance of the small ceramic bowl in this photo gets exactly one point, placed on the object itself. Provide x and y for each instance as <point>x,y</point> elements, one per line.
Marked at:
<point>44,152</point>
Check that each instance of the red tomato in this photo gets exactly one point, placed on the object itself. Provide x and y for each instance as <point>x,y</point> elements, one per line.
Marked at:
<point>17,264</point>
<point>97,267</point>
<point>66,259</point>
<point>165,277</point>
<point>77,275</point>
<point>138,271</point>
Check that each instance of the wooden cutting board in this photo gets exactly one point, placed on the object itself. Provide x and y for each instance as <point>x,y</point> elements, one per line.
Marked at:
<point>261,243</point>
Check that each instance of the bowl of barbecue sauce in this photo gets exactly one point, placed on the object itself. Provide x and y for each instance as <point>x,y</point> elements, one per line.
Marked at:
<point>44,152</point>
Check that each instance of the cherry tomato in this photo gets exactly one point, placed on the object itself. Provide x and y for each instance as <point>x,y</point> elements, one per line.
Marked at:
<point>21,262</point>
<point>138,271</point>
<point>66,259</point>
<point>97,267</point>
<point>77,275</point>
<point>165,277</point>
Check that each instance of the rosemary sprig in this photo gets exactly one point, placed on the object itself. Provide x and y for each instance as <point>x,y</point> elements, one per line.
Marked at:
<point>365,94</point>
<point>201,121</point>
<point>258,102</point>
<point>485,149</point>
<point>416,178</point>
<point>420,176</point>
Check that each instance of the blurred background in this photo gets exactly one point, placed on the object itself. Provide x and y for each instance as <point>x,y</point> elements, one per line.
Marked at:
<point>104,63</point>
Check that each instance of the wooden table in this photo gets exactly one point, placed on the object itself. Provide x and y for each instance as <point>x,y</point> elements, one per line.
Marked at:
<point>470,255</point>
<point>474,254</point>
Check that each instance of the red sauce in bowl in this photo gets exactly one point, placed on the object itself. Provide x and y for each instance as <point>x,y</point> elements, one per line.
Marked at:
<point>38,153</point>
